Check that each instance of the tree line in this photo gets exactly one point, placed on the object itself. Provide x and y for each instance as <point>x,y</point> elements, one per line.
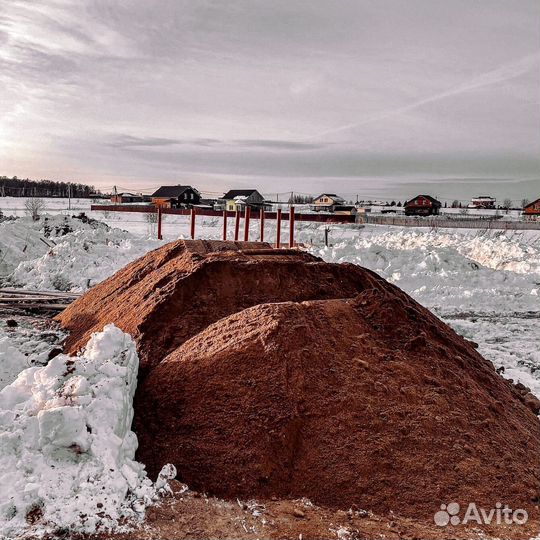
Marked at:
<point>24,187</point>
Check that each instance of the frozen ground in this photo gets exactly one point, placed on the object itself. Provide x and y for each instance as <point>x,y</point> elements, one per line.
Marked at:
<point>484,284</point>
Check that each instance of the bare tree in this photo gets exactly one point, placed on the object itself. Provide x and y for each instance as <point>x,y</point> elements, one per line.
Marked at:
<point>34,207</point>
<point>507,204</point>
<point>524,202</point>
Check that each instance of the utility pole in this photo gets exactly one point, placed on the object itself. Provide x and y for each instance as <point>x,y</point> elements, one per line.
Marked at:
<point>69,196</point>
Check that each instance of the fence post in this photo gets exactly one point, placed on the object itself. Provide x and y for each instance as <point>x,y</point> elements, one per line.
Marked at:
<point>247,215</point>
<point>278,228</point>
<point>159,223</point>
<point>236,224</point>
<point>262,224</point>
<point>224,225</point>
<point>291,226</point>
<point>193,223</point>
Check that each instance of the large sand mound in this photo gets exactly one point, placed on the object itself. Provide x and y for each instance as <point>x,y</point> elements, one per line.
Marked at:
<point>371,401</point>
<point>274,373</point>
<point>174,292</point>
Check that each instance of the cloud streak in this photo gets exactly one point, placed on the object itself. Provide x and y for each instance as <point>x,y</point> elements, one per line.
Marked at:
<point>129,141</point>
<point>496,76</point>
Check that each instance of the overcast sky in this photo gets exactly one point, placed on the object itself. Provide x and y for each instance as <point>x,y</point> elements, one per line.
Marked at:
<point>380,98</point>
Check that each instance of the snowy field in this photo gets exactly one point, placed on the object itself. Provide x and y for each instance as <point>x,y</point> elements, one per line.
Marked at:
<point>485,284</point>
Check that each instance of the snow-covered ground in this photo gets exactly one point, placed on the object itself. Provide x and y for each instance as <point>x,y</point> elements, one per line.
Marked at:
<point>62,253</point>
<point>485,284</point>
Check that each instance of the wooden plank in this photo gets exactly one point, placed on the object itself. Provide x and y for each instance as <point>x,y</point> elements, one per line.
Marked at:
<point>35,306</point>
<point>56,294</point>
<point>12,299</point>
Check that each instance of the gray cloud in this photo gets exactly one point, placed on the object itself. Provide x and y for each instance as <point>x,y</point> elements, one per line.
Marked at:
<point>128,141</point>
<point>377,94</point>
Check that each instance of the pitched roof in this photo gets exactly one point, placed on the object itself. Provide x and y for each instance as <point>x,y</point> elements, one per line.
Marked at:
<point>531,203</point>
<point>232,193</point>
<point>428,197</point>
<point>171,191</point>
<point>331,195</point>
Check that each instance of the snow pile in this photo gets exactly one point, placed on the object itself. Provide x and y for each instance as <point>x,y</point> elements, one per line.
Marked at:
<point>66,446</point>
<point>66,261</point>
<point>12,361</point>
<point>25,346</point>
<point>485,286</point>
<point>449,270</point>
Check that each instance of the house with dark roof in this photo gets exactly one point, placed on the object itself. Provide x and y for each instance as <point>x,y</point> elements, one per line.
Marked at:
<point>239,199</point>
<point>176,197</point>
<point>422,205</point>
<point>327,202</point>
<point>531,211</point>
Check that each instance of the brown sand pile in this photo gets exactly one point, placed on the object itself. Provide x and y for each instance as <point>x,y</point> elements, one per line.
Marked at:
<point>371,401</point>
<point>356,396</point>
<point>174,292</point>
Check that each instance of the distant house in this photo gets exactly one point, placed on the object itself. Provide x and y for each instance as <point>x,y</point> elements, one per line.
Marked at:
<point>239,199</point>
<point>422,205</point>
<point>483,201</point>
<point>345,209</point>
<point>124,198</point>
<point>176,196</point>
<point>531,211</point>
<point>327,202</point>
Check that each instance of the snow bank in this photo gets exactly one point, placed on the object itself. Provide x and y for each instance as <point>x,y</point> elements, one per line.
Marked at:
<point>449,271</point>
<point>66,446</point>
<point>72,261</point>
<point>485,286</point>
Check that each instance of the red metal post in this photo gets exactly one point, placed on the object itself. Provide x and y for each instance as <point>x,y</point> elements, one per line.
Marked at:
<point>193,223</point>
<point>278,228</point>
<point>159,223</point>
<point>236,225</point>
<point>262,224</point>
<point>291,227</point>
<point>246,223</point>
<point>224,225</point>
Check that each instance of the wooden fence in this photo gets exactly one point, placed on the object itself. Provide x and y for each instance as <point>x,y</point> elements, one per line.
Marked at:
<point>148,209</point>
<point>435,222</point>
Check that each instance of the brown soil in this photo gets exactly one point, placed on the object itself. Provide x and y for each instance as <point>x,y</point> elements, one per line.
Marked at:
<point>372,401</point>
<point>192,515</point>
<point>174,292</point>
<point>357,396</point>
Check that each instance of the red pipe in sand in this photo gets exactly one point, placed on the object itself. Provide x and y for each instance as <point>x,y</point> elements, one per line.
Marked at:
<point>291,227</point>
<point>193,223</point>
<point>246,223</point>
<point>278,228</point>
<point>236,225</point>
<point>159,223</point>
